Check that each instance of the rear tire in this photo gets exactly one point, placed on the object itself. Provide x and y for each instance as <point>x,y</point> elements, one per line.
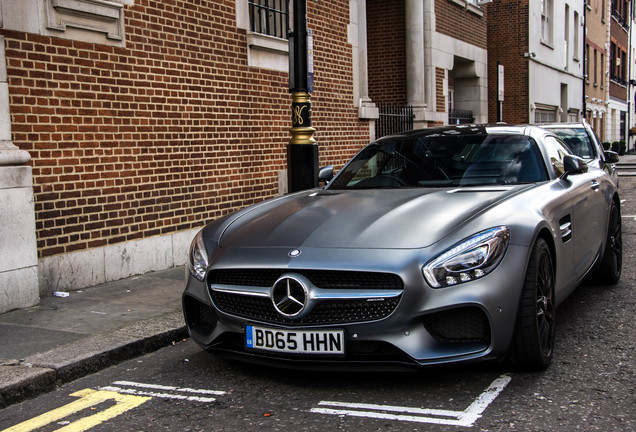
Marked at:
<point>533,342</point>
<point>610,269</point>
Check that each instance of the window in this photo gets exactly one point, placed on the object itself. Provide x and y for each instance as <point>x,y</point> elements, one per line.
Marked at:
<point>587,63</point>
<point>567,35</point>
<point>556,152</point>
<point>620,9</point>
<point>269,17</point>
<point>602,70</point>
<point>618,64</point>
<point>266,24</point>
<point>603,11</point>
<point>546,21</point>
<point>595,68</point>
<point>623,66</point>
<point>573,115</point>
<point>622,125</point>
<point>577,28</point>
<point>545,115</point>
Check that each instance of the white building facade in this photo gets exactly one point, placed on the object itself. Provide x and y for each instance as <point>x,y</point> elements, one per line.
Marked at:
<point>556,60</point>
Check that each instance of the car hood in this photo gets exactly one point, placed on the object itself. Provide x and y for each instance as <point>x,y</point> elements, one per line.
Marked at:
<point>395,218</point>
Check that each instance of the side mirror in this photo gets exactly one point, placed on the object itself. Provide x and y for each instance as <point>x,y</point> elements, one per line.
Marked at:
<point>573,165</point>
<point>325,174</point>
<point>611,156</point>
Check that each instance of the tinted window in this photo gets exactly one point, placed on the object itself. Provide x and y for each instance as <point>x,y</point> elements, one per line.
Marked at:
<point>577,140</point>
<point>556,152</point>
<point>444,160</point>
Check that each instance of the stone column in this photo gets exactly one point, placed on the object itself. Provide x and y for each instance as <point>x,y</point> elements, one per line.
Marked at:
<point>367,109</point>
<point>18,248</point>
<point>415,67</point>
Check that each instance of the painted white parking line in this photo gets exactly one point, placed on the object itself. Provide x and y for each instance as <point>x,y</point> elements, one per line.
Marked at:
<point>171,388</point>
<point>464,418</point>
<point>167,392</point>
<point>629,216</point>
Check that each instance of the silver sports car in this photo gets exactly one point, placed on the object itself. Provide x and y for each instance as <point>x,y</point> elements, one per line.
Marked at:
<point>435,246</point>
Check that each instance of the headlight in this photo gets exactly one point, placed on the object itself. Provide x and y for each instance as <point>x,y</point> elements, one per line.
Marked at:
<point>198,262</point>
<point>471,259</point>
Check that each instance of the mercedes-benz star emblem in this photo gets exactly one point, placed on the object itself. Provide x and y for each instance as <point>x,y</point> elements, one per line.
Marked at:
<point>289,295</point>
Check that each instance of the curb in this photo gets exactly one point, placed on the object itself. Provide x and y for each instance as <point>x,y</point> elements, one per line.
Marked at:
<point>41,373</point>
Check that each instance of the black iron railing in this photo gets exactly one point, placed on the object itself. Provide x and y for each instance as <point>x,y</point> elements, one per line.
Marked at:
<point>394,118</point>
<point>270,17</point>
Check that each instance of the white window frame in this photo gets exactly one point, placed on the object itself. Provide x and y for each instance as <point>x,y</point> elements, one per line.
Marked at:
<point>547,15</point>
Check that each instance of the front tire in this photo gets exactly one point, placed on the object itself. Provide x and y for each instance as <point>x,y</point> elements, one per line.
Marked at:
<point>612,264</point>
<point>533,343</point>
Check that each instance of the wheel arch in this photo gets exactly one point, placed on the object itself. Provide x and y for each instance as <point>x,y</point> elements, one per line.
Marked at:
<point>546,235</point>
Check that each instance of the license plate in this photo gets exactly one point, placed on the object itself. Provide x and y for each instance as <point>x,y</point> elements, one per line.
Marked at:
<point>329,342</point>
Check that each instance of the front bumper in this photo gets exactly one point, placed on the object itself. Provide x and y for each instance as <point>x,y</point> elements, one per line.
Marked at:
<point>422,326</point>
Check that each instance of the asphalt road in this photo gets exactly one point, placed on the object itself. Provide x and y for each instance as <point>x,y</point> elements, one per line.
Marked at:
<point>589,386</point>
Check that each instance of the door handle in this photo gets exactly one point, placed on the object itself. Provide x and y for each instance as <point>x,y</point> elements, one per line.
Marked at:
<point>595,185</point>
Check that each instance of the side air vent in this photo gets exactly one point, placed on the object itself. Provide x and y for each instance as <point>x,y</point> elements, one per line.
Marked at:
<point>566,228</point>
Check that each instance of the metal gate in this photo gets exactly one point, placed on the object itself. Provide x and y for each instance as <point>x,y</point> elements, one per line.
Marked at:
<point>460,116</point>
<point>394,118</point>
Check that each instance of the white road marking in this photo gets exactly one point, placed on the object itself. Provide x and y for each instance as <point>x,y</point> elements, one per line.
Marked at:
<point>167,392</point>
<point>171,388</point>
<point>464,418</point>
<point>155,394</point>
<point>629,216</point>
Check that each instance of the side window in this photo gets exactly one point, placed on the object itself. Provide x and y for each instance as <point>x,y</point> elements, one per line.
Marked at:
<point>269,17</point>
<point>556,152</point>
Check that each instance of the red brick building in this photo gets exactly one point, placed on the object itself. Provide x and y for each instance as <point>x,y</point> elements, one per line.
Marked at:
<point>157,117</point>
<point>145,119</point>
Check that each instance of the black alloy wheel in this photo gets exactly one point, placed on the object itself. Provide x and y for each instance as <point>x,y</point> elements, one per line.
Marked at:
<point>612,264</point>
<point>533,344</point>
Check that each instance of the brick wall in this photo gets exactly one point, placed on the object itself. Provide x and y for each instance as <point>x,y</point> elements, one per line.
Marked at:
<point>386,41</point>
<point>457,22</point>
<point>507,41</point>
<point>597,22</point>
<point>171,131</point>
<point>440,102</point>
<point>339,132</point>
<point>620,38</point>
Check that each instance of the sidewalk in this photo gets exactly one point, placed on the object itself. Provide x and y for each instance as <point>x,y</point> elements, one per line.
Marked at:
<point>65,338</point>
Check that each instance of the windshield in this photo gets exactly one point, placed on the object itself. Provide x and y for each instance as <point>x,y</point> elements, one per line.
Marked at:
<point>577,141</point>
<point>444,161</point>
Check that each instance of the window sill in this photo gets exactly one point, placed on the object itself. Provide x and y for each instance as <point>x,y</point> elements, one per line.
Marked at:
<point>547,44</point>
<point>265,42</point>
<point>268,52</point>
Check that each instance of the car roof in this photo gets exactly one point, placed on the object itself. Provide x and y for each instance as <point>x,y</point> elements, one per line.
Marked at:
<point>466,129</point>
<point>569,125</point>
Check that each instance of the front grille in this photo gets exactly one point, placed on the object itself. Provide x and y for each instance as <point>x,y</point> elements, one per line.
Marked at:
<point>328,311</point>
<point>325,312</point>
<point>468,324</point>
<point>327,279</point>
